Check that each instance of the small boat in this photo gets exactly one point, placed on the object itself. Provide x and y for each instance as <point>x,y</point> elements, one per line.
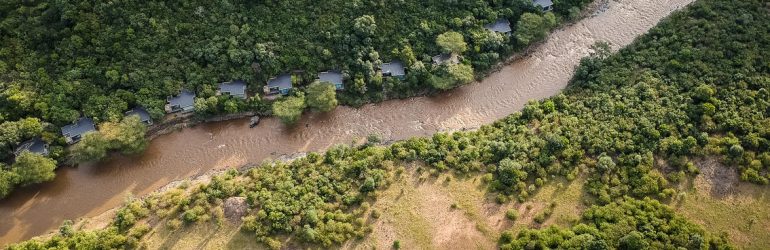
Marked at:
<point>254,121</point>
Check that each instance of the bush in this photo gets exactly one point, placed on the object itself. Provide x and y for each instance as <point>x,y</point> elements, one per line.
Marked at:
<point>289,109</point>
<point>322,96</point>
<point>512,214</point>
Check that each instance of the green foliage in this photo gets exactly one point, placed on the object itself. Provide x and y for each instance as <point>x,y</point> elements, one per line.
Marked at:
<point>452,76</point>
<point>322,96</point>
<point>33,168</point>
<point>532,27</point>
<point>66,229</point>
<point>109,238</point>
<point>13,133</point>
<point>512,214</point>
<point>619,115</point>
<point>626,224</point>
<point>289,109</point>
<point>66,59</point>
<point>92,147</point>
<point>126,136</point>
<point>452,42</point>
<point>8,180</point>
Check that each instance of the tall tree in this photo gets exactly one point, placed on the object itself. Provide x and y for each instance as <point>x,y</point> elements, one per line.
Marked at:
<point>452,42</point>
<point>92,147</point>
<point>289,110</point>
<point>34,168</point>
<point>322,96</point>
<point>532,27</point>
<point>128,135</point>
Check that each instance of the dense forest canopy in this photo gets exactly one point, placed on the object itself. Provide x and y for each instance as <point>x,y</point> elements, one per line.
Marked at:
<point>63,57</point>
<point>695,86</point>
<point>60,60</point>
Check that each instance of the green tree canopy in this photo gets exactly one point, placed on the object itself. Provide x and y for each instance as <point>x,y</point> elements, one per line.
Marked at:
<point>454,75</point>
<point>8,180</point>
<point>128,135</point>
<point>532,27</point>
<point>14,132</point>
<point>289,109</point>
<point>461,73</point>
<point>452,42</point>
<point>34,168</point>
<point>617,226</point>
<point>92,147</point>
<point>322,96</point>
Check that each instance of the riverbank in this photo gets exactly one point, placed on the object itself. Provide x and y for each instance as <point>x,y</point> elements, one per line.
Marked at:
<point>175,122</point>
<point>462,207</point>
<point>92,189</point>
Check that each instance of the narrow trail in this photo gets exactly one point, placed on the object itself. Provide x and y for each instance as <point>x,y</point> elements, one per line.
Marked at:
<point>92,189</point>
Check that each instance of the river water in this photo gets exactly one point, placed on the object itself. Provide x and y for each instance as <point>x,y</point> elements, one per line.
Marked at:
<point>93,189</point>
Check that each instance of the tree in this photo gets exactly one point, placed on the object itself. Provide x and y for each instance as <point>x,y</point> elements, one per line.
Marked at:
<point>289,109</point>
<point>231,106</point>
<point>455,75</point>
<point>461,74</point>
<point>510,173</point>
<point>633,241</point>
<point>14,132</point>
<point>365,26</point>
<point>452,42</point>
<point>532,27</point>
<point>128,136</point>
<point>206,106</point>
<point>34,168</point>
<point>8,180</point>
<point>322,96</point>
<point>92,147</point>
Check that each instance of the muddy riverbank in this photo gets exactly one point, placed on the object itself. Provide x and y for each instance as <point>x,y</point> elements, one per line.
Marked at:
<point>90,190</point>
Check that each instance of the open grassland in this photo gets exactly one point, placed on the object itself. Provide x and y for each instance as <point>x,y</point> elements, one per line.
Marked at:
<point>718,201</point>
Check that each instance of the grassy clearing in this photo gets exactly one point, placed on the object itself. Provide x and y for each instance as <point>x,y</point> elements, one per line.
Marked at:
<point>419,210</point>
<point>455,212</point>
<point>200,236</point>
<point>450,212</point>
<point>726,205</point>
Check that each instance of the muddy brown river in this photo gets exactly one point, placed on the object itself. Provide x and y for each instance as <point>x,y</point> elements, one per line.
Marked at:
<point>93,189</point>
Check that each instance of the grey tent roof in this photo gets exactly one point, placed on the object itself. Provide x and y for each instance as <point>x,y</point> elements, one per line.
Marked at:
<point>185,99</point>
<point>543,3</point>
<point>141,112</point>
<point>395,68</point>
<point>237,87</point>
<point>502,25</point>
<point>35,145</point>
<point>334,77</point>
<point>80,127</point>
<point>282,81</point>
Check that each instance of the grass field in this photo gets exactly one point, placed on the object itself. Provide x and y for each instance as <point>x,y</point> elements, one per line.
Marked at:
<point>422,211</point>
<point>721,203</point>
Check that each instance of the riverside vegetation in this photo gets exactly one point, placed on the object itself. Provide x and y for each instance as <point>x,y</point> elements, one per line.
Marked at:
<point>61,60</point>
<point>631,122</point>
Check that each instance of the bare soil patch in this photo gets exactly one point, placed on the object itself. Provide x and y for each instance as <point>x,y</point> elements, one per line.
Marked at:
<point>235,208</point>
<point>716,179</point>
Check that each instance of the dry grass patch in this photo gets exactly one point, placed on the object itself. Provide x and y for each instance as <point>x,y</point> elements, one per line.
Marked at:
<point>721,203</point>
<point>205,235</point>
<point>455,212</point>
